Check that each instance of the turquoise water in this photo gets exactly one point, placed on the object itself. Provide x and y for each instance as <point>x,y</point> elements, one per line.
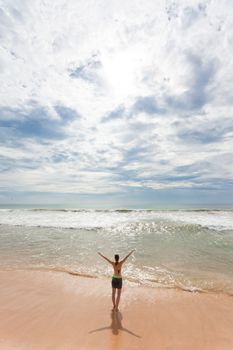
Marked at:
<point>191,250</point>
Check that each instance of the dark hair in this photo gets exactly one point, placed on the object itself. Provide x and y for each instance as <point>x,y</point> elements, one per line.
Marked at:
<point>116,258</point>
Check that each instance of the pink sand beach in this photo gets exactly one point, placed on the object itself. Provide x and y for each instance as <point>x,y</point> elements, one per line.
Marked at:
<point>52,310</point>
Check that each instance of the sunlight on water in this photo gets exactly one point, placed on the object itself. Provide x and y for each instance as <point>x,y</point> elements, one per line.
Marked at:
<point>188,250</point>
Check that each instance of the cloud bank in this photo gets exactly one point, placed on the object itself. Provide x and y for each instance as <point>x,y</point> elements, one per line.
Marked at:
<point>105,97</point>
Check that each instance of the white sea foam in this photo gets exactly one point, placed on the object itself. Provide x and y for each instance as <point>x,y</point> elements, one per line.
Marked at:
<point>217,220</point>
<point>173,248</point>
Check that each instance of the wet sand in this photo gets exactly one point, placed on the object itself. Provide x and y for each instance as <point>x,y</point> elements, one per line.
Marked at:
<point>51,310</point>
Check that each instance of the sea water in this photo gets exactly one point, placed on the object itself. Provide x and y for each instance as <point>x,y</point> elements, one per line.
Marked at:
<point>192,250</point>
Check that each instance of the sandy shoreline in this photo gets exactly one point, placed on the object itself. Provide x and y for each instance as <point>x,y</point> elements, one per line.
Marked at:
<point>49,310</point>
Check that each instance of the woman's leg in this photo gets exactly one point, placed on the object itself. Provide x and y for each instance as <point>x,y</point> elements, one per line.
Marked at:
<point>114,297</point>
<point>118,298</point>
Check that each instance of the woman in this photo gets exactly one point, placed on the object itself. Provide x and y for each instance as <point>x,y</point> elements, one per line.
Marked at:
<point>116,278</point>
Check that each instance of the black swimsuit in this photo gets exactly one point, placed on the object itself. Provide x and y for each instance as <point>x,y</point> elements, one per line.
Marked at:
<point>117,281</point>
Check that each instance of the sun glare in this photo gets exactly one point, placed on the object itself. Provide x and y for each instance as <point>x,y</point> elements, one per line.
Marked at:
<point>121,72</point>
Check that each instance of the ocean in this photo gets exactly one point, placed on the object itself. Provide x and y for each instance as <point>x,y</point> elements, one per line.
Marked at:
<point>189,250</point>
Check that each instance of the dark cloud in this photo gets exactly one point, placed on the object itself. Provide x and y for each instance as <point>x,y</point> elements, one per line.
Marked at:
<point>205,136</point>
<point>204,132</point>
<point>196,95</point>
<point>179,177</point>
<point>147,105</point>
<point>8,164</point>
<point>115,114</point>
<point>60,157</point>
<point>199,174</point>
<point>136,154</point>
<point>66,114</point>
<point>88,70</point>
<point>37,124</point>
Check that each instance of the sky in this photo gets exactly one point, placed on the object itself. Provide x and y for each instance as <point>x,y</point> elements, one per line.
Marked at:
<point>116,103</point>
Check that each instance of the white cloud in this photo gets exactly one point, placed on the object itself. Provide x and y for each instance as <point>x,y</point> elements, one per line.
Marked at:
<point>150,82</point>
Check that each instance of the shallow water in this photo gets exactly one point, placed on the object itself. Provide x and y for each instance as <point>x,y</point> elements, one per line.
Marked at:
<point>183,249</point>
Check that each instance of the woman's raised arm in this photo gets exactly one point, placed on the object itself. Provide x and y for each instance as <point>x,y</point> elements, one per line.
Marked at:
<point>104,257</point>
<point>127,256</point>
